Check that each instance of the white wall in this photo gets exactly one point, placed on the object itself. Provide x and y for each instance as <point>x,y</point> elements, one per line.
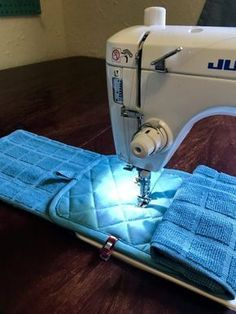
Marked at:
<point>90,23</point>
<point>25,40</point>
<point>79,27</point>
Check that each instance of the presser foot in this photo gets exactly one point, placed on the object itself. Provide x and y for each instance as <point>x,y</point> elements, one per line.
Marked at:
<point>143,201</point>
<point>144,182</point>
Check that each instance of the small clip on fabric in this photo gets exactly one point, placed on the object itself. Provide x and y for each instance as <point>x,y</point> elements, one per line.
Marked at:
<point>107,248</point>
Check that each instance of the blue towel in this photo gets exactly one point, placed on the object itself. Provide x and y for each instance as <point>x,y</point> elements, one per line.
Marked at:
<point>33,169</point>
<point>196,240</point>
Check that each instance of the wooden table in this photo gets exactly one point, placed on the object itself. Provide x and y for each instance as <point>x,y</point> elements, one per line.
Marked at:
<point>44,268</point>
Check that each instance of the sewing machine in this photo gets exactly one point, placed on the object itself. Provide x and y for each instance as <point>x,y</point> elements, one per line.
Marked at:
<point>161,81</point>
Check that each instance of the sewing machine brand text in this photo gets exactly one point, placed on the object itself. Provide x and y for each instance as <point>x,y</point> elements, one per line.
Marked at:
<point>223,64</point>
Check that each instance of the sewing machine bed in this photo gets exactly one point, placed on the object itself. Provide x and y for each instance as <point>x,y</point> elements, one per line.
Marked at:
<point>92,195</point>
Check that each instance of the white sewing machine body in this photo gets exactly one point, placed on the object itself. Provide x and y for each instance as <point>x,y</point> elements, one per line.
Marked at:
<point>167,78</point>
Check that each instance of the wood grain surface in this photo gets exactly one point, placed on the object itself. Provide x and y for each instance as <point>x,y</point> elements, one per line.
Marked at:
<point>44,268</point>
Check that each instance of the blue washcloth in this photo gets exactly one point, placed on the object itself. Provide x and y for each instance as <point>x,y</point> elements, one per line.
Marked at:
<point>33,169</point>
<point>196,240</point>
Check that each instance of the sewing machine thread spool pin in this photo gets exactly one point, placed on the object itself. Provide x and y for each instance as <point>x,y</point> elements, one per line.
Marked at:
<point>155,16</point>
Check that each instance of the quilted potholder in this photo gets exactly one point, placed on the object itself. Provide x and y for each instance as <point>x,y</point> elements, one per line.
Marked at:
<point>103,202</point>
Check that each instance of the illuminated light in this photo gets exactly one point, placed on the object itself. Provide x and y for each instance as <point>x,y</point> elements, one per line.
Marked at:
<point>115,198</point>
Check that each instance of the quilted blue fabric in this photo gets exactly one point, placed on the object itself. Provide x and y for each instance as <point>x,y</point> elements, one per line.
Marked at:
<point>196,239</point>
<point>104,202</point>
